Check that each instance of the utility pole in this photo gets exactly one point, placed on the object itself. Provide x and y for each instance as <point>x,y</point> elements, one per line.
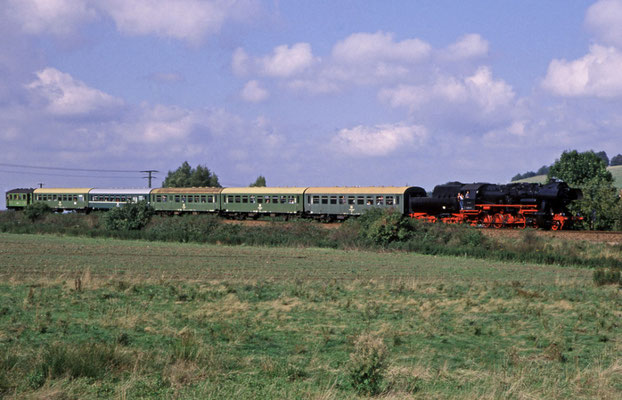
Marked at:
<point>149,171</point>
<point>40,184</point>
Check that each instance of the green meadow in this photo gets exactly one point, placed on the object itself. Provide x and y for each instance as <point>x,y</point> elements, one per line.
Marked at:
<point>85,318</point>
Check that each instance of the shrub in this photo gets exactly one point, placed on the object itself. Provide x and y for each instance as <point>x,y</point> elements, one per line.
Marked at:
<point>603,276</point>
<point>367,364</point>
<point>37,210</point>
<point>133,216</point>
<point>91,360</point>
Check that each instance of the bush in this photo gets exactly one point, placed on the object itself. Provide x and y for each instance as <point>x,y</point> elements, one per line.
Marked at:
<point>603,276</point>
<point>37,210</point>
<point>132,216</point>
<point>367,364</point>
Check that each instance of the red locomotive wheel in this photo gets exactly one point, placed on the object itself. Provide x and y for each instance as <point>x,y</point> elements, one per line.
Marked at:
<point>498,220</point>
<point>521,222</point>
<point>487,221</point>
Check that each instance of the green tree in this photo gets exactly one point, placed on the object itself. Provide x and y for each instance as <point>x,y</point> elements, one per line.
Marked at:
<point>580,169</point>
<point>259,182</point>
<point>616,160</point>
<point>588,172</point>
<point>186,176</point>
<point>132,216</point>
<point>36,210</point>
<point>603,156</point>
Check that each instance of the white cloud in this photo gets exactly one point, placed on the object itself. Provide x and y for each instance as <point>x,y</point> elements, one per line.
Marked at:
<point>285,61</point>
<point>181,19</point>
<point>379,140</point>
<point>254,93</point>
<point>160,124</point>
<point>480,89</point>
<point>240,62</point>
<point>468,46</point>
<point>66,96</point>
<point>377,47</point>
<point>488,93</point>
<point>58,17</point>
<point>596,74</point>
<point>604,18</point>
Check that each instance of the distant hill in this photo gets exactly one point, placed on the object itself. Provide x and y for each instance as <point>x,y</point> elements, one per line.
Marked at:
<point>616,171</point>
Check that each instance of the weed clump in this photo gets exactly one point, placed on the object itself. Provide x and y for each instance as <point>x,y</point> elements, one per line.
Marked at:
<point>607,276</point>
<point>368,363</point>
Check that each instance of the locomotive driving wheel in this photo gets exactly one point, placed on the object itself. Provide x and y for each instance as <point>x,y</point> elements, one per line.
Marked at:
<point>487,221</point>
<point>498,220</point>
<point>520,221</point>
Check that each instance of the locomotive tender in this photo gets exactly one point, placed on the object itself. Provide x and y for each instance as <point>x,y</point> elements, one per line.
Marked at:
<point>489,205</point>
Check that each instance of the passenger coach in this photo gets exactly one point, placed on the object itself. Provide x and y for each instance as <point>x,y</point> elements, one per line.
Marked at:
<point>340,202</point>
<point>63,198</point>
<point>17,199</point>
<point>262,200</point>
<point>104,199</point>
<point>202,199</point>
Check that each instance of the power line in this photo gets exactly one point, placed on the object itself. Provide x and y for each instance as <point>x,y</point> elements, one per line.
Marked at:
<point>71,176</point>
<point>67,169</point>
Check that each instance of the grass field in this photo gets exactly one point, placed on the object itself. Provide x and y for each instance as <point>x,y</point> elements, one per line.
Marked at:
<point>96,318</point>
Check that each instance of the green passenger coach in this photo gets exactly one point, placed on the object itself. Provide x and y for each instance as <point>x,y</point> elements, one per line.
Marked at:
<point>63,198</point>
<point>199,199</point>
<point>340,202</point>
<point>262,200</point>
<point>17,199</point>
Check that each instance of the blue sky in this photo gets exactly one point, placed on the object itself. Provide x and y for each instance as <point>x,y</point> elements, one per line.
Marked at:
<point>306,93</point>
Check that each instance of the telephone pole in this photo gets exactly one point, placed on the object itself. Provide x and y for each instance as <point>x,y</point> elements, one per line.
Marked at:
<point>149,176</point>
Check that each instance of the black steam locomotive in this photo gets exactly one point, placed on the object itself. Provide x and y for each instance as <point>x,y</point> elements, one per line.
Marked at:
<point>491,205</point>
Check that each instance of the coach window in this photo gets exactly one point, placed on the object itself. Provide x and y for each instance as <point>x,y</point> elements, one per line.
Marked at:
<point>275,199</point>
<point>244,199</point>
<point>158,198</point>
<point>292,200</point>
<point>238,199</point>
<point>389,200</point>
<point>369,201</point>
<point>397,199</point>
<point>342,199</point>
<point>360,200</point>
<point>123,198</point>
<point>316,200</point>
<point>190,199</point>
<point>324,199</point>
<point>379,200</point>
<point>333,199</point>
<point>283,199</point>
<point>252,199</point>
<point>177,198</point>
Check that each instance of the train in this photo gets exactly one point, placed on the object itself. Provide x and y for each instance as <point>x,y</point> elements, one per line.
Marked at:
<point>515,205</point>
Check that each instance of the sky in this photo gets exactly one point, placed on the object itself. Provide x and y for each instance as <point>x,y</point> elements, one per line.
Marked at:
<point>305,93</point>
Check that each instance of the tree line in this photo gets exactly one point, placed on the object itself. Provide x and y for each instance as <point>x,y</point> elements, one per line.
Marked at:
<point>544,170</point>
<point>201,176</point>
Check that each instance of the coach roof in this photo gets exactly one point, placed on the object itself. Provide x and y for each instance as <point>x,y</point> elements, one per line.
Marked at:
<point>359,190</point>
<point>120,191</point>
<point>62,190</point>
<point>192,190</point>
<point>264,190</point>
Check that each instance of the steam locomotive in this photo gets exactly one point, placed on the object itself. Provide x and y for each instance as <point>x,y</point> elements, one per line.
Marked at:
<point>516,205</point>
